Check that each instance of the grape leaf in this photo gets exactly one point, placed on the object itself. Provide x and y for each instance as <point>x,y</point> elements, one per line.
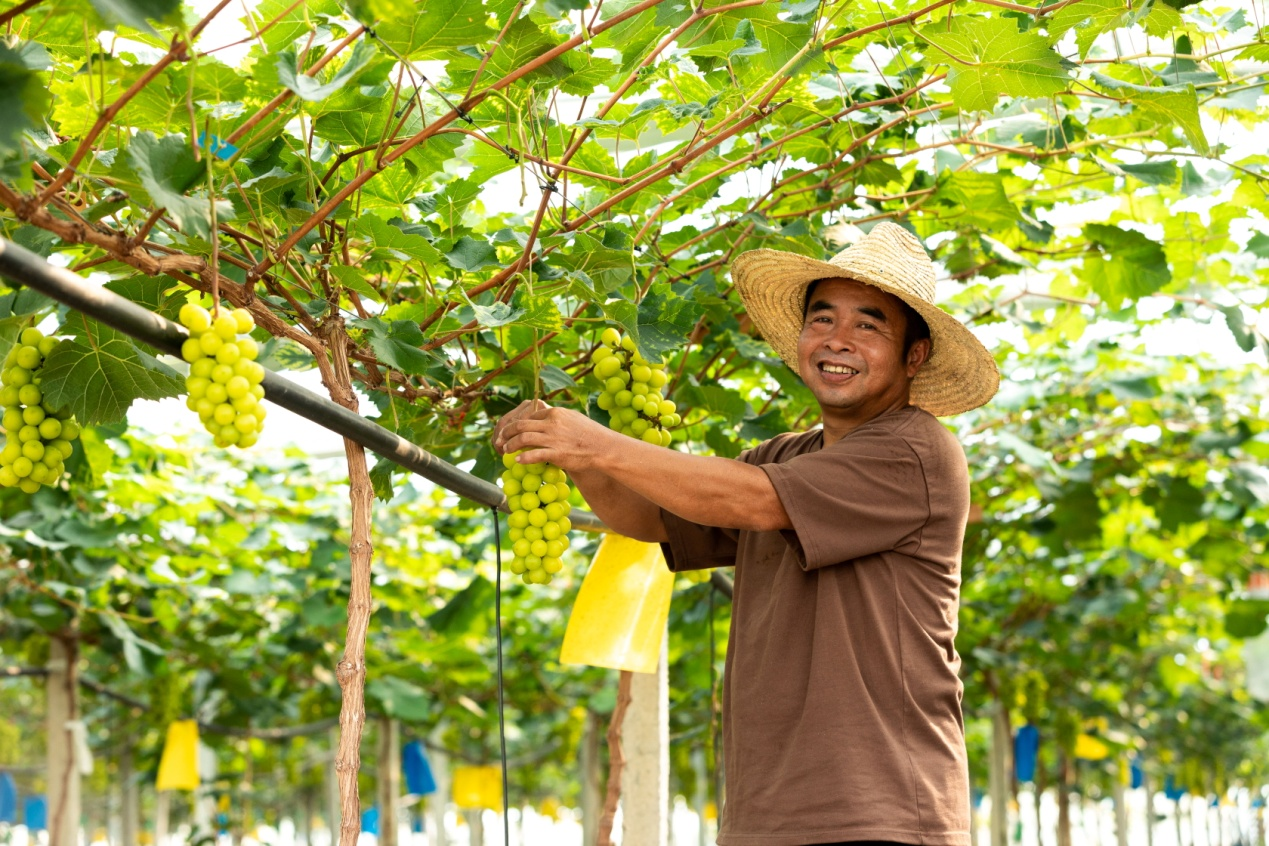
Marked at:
<point>991,57</point>
<point>1154,172</point>
<point>98,379</point>
<point>383,236</point>
<point>167,169</point>
<point>537,310</point>
<point>135,13</point>
<point>381,479</point>
<point>1093,18</point>
<point>397,344</point>
<point>446,24</point>
<point>1126,265</point>
<point>399,698</point>
<point>1164,106</point>
<point>24,98</point>
<point>310,88</point>
<point>471,254</point>
<point>659,323</point>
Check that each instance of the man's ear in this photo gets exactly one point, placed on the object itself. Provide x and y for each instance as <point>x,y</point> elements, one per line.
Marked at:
<point>918,355</point>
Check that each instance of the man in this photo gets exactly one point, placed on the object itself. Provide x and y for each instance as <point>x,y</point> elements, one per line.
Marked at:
<point>841,712</point>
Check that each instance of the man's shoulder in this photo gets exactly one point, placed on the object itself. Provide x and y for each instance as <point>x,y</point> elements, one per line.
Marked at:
<point>783,447</point>
<point>920,429</point>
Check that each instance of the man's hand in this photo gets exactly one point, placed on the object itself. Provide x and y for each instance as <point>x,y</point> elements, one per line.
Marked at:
<point>567,439</point>
<point>524,409</point>
<point>570,440</point>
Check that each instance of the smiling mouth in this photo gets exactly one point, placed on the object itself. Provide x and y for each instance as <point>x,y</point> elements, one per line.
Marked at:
<point>840,369</point>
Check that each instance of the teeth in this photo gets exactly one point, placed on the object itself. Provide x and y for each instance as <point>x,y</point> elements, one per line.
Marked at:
<point>837,368</point>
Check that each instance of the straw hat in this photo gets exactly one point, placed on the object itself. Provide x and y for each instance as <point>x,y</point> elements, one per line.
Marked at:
<point>960,373</point>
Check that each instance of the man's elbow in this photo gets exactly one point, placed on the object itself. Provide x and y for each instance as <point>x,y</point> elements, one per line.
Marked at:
<point>770,516</point>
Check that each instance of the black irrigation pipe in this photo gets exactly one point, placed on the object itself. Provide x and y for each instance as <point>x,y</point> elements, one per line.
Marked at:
<point>27,268</point>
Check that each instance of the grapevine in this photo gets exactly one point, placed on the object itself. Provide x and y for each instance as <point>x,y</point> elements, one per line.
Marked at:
<point>632,390</point>
<point>224,377</point>
<point>37,435</point>
<point>537,495</point>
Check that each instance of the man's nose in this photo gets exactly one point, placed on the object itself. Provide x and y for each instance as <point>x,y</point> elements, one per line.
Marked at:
<point>841,339</point>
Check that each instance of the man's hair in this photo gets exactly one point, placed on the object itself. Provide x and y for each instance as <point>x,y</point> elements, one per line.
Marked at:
<point>916,329</point>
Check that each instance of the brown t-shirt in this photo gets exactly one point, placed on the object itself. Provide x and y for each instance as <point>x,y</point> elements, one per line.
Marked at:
<point>842,703</point>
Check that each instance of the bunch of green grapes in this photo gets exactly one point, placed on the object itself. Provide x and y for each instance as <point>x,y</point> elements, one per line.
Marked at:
<point>632,390</point>
<point>37,435</point>
<point>224,377</point>
<point>537,495</point>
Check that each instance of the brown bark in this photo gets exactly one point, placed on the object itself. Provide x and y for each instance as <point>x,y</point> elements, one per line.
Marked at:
<point>1064,800</point>
<point>351,670</point>
<point>616,761</point>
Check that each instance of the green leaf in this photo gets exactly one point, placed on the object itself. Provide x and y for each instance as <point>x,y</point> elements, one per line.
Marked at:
<point>167,169</point>
<point>1245,618</point>
<point>717,400</point>
<point>1244,335</point>
<point>24,98</point>
<point>309,88</point>
<point>495,315</point>
<point>397,344</point>
<point>1259,245</point>
<point>99,381</point>
<point>537,310</point>
<point>1154,172</point>
<point>659,324</point>
<point>381,235</point>
<point>555,379</point>
<point>468,607</point>
<point>1093,18</point>
<point>137,13</point>
<point>454,200</point>
<point>749,43</point>
<point>400,699</point>
<point>1126,264</point>
<point>472,255</point>
<point>991,57</point>
<point>1165,107</point>
<point>352,279</point>
<point>436,30</point>
<point>381,480</point>
<point>979,200</point>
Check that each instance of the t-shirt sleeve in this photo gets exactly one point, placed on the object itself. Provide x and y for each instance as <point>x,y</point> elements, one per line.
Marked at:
<point>695,547</point>
<point>863,495</point>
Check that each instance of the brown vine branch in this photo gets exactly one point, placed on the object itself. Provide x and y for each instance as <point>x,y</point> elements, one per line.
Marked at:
<point>616,760</point>
<point>9,14</point>
<point>351,670</point>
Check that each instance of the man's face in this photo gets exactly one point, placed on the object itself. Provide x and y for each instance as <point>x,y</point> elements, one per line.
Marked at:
<point>851,353</point>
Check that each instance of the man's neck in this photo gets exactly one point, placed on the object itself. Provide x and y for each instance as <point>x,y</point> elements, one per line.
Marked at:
<point>838,426</point>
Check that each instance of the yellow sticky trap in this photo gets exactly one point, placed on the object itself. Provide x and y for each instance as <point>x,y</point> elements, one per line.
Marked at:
<point>619,617</point>
<point>478,787</point>
<point>178,768</point>
<point>1090,748</point>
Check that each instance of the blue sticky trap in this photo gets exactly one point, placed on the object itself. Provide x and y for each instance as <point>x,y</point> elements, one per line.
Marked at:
<point>418,772</point>
<point>8,799</point>
<point>1171,790</point>
<point>220,149</point>
<point>35,813</point>
<point>1026,749</point>
<point>370,820</point>
<point>1136,772</point>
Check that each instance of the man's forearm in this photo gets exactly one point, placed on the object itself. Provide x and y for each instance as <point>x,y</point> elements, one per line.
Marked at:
<point>621,509</point>
<point>710,491</point>
<point>616,472</point>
